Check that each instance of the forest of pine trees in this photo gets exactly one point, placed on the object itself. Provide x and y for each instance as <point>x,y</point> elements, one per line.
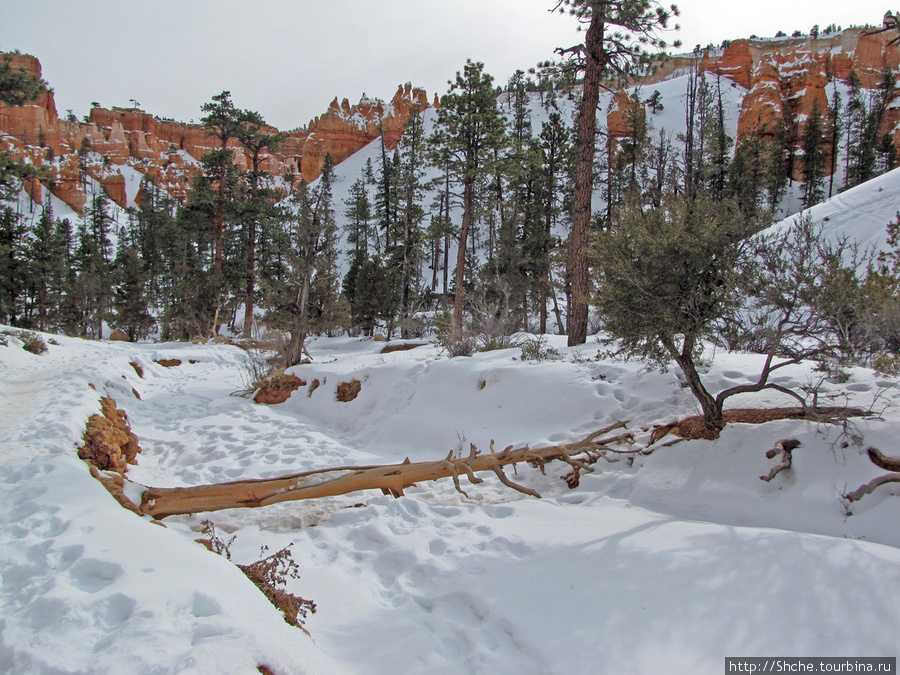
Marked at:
<point>462,228</point>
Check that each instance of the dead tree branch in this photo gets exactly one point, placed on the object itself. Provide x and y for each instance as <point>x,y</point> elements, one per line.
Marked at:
<point>391,479</point>
<point>869,487</point>
<point>882,462</point>
<point>785,446</point>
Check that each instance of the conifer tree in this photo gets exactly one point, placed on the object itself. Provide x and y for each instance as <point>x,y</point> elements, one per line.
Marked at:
<point>411,172</point>
<point>258,211</point>
<point>358,214</point>
<point>469,128</point>
<point>130,303</point>
<point>834,124</point>
<point>47,267</point>
<point>556,155</point>
<point>813,158</point>
<point>12,265</point>
<point>614,45</point>
<point>307,299</point>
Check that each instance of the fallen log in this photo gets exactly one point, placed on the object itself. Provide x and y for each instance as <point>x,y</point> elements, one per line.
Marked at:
<point>391,479</point>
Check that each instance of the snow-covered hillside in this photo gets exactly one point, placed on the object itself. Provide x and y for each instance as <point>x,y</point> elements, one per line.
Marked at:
<point>667,562</point>
<point>861,213</point>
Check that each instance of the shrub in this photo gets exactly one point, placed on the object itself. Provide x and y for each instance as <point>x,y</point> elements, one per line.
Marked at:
<point>269,574</point>
<point>536,349</point>
<point>33,342</point>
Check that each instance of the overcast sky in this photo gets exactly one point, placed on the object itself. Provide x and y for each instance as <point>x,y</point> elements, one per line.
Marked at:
<point>288,59</point>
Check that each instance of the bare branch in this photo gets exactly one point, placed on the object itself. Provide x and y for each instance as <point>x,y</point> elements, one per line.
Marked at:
<point>870,487</point>
<point>785,447</point>
<point>515,486</point>
<point>883,462</point>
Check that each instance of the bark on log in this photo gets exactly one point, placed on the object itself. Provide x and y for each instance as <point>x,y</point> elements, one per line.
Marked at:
<point>391,479</point>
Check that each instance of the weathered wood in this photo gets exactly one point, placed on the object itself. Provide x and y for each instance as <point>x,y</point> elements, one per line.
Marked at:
<point>883,462</point>
<point>785,446</point>
<point>869,487</point>
<point>391,479</point>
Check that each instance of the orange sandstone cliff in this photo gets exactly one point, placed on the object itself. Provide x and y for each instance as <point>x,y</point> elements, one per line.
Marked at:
<point>168,152</point>
<point>792,71</point>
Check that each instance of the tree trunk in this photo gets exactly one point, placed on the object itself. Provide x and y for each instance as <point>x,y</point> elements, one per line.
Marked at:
<point>459,298</point>
<point>712,409</point>
<point>584,180</point>
<point>391,479</point>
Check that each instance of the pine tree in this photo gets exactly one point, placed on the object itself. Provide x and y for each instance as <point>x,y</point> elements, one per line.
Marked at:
<point>856,112</point>
<point>834,124</point>
<point>12,266</point>
<point>616,34</point>
<point>47,267</point>
<point>130,303</point>
<point>411,172</point>
<point>813,160</point>
<point>258,211</point>
<point>469,127</point>
<point>358,214</point>
<point>307,299</point>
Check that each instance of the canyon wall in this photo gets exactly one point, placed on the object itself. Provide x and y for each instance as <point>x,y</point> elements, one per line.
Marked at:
<point>169,152</point>
<point>795,72</point>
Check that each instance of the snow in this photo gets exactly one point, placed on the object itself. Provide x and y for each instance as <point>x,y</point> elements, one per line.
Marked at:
<point>667,563</point>
<point>861,213</point>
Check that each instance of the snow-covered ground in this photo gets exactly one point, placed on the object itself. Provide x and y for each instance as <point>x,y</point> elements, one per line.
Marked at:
<point>667,563</point>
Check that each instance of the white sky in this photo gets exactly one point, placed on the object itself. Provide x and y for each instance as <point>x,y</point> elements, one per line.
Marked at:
<point>288,59</point>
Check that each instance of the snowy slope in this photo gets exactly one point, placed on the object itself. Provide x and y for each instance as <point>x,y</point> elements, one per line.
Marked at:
<point>666,563</point>
<point>861,213</point>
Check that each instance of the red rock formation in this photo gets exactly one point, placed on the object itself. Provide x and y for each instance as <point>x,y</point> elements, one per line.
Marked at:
<point>627,109</point>
<point>167,152</point>
<point>345,129</point>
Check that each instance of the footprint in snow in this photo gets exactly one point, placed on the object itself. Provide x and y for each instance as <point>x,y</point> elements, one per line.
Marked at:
<point>92,575</point>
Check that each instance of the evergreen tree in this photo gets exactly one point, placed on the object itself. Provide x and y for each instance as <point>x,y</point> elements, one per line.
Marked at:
<point>223,122</point>
<point>47,267</point>
<point>813,158</point>
<point>12,266</point>
<point>258,211</point>
<point>307,299</point>
<point>834,124</point>
<point>857,158</point>
<point>92,289</point>
<point>358,214</point>
<point>616,34</point>
<point>130,303</point>
<point>372,287</point>
<point>469,128</point>
<point>411,173</point>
